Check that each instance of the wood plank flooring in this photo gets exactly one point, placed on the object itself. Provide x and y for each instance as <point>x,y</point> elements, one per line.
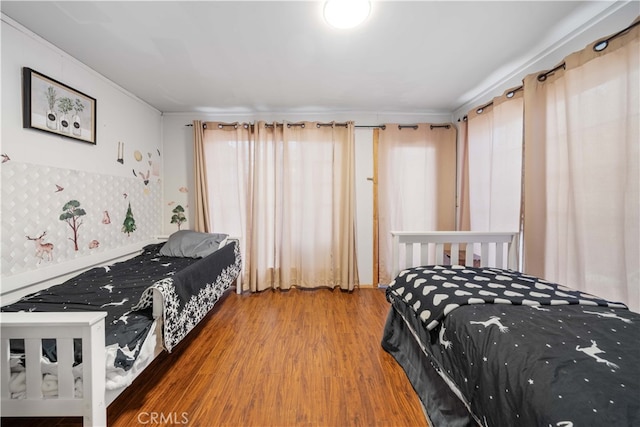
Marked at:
<point>297,358</point>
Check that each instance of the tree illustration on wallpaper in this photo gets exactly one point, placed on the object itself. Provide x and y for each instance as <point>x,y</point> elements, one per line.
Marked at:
<point>178,216</point>
<point>129,224</point>
<point>71,214</point>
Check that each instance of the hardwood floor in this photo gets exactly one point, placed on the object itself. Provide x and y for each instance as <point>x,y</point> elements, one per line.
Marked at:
<point>297,358</point>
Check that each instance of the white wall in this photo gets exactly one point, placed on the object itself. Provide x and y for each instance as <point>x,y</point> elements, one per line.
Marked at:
<point>91,170</point>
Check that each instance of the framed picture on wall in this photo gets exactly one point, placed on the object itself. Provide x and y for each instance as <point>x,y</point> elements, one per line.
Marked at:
<point>54,107</point>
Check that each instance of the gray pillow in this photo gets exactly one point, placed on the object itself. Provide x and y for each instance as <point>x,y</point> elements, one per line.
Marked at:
<point>192,244</point>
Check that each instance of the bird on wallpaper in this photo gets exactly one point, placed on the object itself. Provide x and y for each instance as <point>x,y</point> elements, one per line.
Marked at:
<point>5,158</point>
<point>58,188</point>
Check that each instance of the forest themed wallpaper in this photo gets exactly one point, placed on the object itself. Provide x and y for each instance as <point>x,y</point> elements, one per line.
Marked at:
<point>52,215</point>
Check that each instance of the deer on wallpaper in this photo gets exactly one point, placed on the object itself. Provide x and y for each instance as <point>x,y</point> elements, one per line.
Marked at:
<point>42,249</point>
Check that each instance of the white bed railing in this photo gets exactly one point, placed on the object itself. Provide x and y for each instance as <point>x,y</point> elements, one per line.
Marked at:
<point>64,328</point>
<point>487,249</point>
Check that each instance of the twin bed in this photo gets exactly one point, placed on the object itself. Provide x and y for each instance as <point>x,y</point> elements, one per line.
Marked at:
<point>483,344</point>
<point>71,349</point>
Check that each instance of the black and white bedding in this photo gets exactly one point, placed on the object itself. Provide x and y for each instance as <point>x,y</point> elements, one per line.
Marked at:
<point>515,349</point>
<point>189,287</point>
<point>189,294</point>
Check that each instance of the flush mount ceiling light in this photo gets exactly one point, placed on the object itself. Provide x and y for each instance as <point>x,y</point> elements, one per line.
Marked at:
<point>346,13</point>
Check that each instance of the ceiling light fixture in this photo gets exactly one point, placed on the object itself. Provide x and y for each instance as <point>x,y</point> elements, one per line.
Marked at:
<point>346,13</point>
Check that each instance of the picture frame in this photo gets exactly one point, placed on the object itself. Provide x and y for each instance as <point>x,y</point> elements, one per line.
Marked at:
<point>51,106</point>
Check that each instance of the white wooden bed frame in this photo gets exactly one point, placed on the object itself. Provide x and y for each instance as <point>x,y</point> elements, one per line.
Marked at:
<point>64,328</point>
<point>494,248</point>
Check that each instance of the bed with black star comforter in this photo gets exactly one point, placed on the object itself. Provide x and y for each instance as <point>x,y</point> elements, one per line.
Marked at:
<point>499,348</point>
<point>189,287</point>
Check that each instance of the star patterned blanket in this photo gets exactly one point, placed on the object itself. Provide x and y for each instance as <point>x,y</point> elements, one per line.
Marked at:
<point>548,356</point>
<point>189,288</point>
<point>434,291</point>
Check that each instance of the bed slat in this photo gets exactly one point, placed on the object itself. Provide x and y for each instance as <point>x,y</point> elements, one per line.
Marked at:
<point>468,254</point>
<point>455,254</point>
<point>33,350</point>
<point>424,253</point>
<point>484,257</point>
<point>408,256</point>
<point>6,367</point>
<point>65,367</point>
<point>439,253</point>
<point>499,253</point>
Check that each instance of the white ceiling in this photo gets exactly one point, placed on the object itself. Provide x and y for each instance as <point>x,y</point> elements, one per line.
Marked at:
<point>268,56</point>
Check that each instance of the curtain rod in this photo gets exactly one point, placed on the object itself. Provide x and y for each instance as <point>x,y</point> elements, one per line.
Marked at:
<point>509,94</point>
<point>598,46</point>
<point>246,125</point>
<point>603,44</point>
<point>383,127</point>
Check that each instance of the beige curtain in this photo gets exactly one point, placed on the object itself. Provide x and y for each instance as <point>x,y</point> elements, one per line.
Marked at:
<point>494,166</point>
<point>290,195</point>
<point>201,210</point>
<point>416,183</point>
<point>228,153</point>
<point>463,220</point>
<point>581,220</point>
